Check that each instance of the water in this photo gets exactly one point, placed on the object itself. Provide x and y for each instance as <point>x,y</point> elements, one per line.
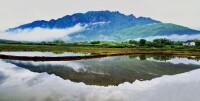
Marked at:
<point>128,78</point>
<point>49,54</point>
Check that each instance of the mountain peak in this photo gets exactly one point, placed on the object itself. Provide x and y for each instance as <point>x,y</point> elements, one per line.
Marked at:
<point>67,21</point>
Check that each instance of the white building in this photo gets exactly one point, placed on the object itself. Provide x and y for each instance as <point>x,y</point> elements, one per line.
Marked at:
<point>189,43</point>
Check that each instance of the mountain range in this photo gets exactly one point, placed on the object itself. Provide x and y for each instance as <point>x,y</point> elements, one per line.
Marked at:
<point>107,25</point>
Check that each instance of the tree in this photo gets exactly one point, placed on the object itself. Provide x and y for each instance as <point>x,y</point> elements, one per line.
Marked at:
<point>43,42</point>
<point>95,42</point>
<point>163,41</point>
<point>197,42</point>
<point>179,43</point>
<point>150,44</point>
<point>58,42</point>
<point>142,42</point>
<point>132,42</point>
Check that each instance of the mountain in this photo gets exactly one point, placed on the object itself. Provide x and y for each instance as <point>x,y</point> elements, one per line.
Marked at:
<point>107,25</point>
<point>2,41</point>
<point>91,17</point>
<point>5,41</point>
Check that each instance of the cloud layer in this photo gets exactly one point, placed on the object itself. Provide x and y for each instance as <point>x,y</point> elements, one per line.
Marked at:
<point>39,34</point>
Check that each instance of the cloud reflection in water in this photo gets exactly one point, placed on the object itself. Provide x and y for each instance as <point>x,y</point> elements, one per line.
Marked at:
<point>24,85</point>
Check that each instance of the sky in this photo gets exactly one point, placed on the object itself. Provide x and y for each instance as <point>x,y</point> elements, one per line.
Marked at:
<point>181,12</point>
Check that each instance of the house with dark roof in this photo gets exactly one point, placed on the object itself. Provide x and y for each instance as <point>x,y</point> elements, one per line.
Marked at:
<point>189,43</point>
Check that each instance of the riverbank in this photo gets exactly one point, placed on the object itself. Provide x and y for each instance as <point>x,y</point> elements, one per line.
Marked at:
<point>99,50</point>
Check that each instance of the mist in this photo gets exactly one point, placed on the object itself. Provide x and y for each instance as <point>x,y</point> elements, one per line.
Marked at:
<point>174,37</point>
<point>40,34</point>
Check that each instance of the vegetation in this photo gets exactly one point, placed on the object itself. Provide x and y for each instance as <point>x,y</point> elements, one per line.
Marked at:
<point>142,43</point>
<point>158,46</point>
<point>160,29</point>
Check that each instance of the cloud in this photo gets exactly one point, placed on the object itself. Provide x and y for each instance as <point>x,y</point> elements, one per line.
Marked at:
<point>181,87</point>
<point>173,37</point>
<point>40,34</point>
<point>100,23</point>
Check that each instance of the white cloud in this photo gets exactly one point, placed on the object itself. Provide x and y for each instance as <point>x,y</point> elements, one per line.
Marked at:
<point>17,12</point>
<point>39,34</point>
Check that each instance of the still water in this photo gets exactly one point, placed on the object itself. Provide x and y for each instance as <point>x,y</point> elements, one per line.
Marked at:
<point>118,78</point>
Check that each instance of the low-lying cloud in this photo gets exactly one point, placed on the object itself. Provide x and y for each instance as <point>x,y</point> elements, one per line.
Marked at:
<point>174,37</point>
<point>40,34</point>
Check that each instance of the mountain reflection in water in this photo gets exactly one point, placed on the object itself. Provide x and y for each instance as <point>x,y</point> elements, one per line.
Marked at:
<point>113,70</point>
<point>19,82</point>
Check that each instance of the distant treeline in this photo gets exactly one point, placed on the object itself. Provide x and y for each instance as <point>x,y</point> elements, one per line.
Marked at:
<point>156,43</point>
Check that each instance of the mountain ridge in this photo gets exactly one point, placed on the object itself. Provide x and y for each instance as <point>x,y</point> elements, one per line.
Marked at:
<point>86,18</point>
<point>107,25</point>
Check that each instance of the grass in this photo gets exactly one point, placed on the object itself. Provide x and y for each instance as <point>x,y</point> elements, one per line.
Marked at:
<point>99,50</point>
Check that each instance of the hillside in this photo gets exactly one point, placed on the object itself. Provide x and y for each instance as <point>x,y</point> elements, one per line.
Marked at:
<point>7,41</point>
<point>162,29</point>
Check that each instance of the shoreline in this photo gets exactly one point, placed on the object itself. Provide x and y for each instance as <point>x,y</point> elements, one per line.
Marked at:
<point>97,51</point>
<point>72,58</point>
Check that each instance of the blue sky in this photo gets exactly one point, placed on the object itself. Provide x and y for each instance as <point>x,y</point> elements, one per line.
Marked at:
<point>17,12</point>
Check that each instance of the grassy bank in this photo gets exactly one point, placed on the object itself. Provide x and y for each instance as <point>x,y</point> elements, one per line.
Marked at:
<point>98,50</point>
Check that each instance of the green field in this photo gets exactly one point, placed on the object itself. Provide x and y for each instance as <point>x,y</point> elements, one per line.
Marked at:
<point>99,50</point>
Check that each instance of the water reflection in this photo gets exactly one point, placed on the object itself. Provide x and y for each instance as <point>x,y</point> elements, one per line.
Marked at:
<point>112,70</point>
<point>23,85</point>
<point>168,58</point>
<point>48,54</point>
<point>161,57</point>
